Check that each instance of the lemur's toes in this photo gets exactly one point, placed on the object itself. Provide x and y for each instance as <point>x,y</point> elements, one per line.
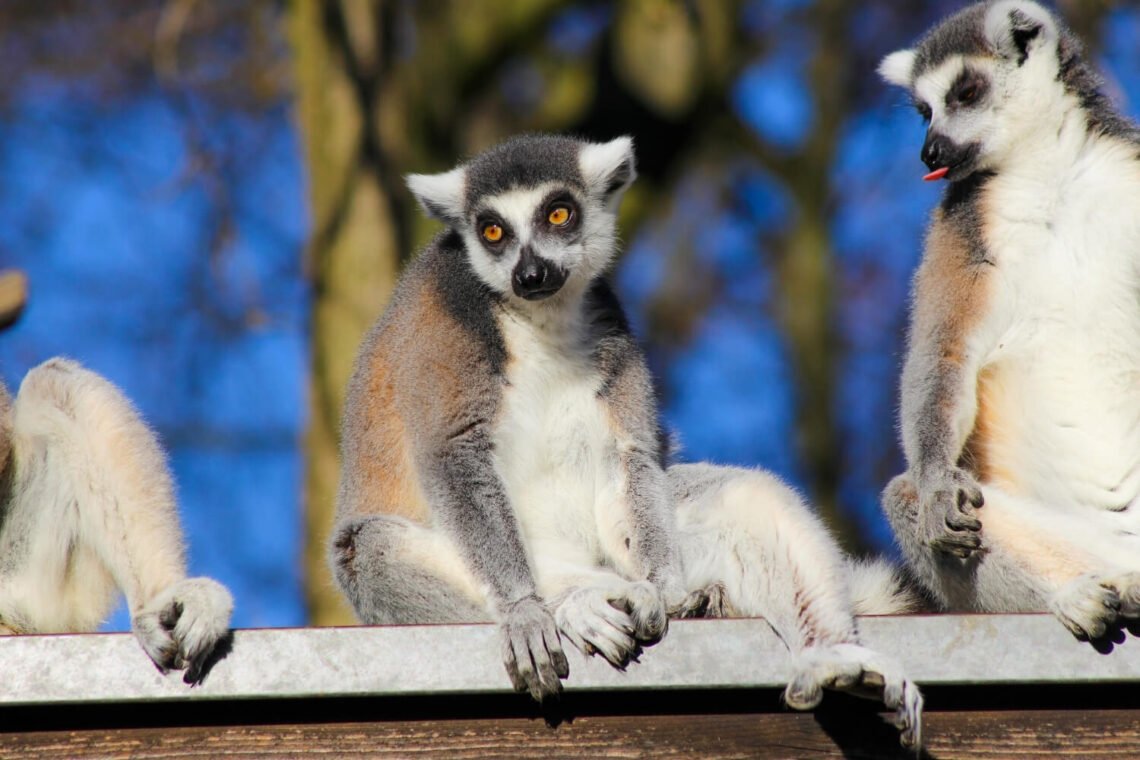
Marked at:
<point>1127,589</point>
<point>1088,606</point>
<point>708,602</point>
<point>182,624</point>
<point>860,671</point>
<point>643,604</point>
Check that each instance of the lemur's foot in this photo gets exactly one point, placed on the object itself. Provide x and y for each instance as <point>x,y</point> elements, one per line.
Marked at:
<point>532,651</point>
<point>860,671</point>
<point>613,621</point>
<point>1089,605</point>
<point>182,624</point>
<point>1127,587</point>
<point>947,517</point>
<point>708,602</point>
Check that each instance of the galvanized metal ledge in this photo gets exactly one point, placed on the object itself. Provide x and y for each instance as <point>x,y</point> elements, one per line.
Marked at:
<point>936,650</point>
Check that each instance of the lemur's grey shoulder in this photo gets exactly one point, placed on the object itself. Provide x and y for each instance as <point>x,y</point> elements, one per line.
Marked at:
<point>610,334</point>
<point>627,383</point>
<point>442,277</point>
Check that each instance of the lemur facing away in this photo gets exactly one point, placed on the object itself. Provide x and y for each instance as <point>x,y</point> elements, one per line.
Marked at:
<point>1021,387</point>
<point>503,459</point>
<point>87,508</point>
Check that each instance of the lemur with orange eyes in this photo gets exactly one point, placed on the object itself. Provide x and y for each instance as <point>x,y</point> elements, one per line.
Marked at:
<point>503,458</point>
<point>1021,387</point>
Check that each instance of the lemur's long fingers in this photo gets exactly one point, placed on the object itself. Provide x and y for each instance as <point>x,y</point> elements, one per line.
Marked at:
<point>960,544</point>
<point>553,646</point>
<point>611,643</point>
<point>962,521</point>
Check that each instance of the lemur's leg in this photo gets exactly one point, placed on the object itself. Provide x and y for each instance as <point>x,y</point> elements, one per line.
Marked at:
<point>754,534</point>
<point>597,609</point>
<point>1034,557</point>
<point>93,498</point>
<point>395,571</point>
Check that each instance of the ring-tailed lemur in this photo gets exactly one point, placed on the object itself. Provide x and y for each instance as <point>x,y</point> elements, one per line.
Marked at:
<point>1021,387</point>
<point>87,508</point>
<point>503,459</point>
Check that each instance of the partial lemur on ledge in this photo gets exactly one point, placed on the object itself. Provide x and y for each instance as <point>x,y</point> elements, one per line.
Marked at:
<point>1021,388</point>
<point>86,509</point>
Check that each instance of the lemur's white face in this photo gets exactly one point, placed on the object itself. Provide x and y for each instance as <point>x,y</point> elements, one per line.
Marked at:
<point>531,242</point>
<point>983,106</point>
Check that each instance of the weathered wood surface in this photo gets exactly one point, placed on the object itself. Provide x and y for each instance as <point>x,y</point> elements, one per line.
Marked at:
<point>1012,686</point>
<point>984,734</point>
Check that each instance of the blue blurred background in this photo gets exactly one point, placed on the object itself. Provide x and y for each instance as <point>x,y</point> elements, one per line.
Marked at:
<point>162,215</point>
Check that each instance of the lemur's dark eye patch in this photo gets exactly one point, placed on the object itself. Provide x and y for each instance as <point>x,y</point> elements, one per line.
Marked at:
<point>923,110</point>
<point>968,88</point>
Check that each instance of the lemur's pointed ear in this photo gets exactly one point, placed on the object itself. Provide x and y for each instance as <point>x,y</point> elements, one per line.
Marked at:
<point>608,168</point>
<point>440,195</point>
<point>1015,28</point>
<point>897,68</point>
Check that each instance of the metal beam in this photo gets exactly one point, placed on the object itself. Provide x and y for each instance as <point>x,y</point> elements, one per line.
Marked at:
<point>464,659</point>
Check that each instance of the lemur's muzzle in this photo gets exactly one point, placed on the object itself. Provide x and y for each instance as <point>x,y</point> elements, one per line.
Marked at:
<point>946,158</point>
<point>536,278</point>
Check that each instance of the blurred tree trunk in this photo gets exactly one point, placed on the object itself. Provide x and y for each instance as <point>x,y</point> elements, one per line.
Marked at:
<point>806,270</point>
<point>353,256</point>
<point>13,295</point>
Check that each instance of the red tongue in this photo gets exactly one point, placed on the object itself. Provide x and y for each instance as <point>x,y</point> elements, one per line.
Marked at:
<point>937,174</point>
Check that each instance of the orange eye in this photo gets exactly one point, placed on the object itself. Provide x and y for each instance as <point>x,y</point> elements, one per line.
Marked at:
<point>492,233</point>
<point>559,215</point>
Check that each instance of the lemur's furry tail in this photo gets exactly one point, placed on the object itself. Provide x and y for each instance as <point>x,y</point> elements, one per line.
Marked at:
<point>880,588</point>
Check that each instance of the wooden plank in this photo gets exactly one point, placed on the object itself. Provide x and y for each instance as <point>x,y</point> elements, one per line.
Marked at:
<point>984,734</point>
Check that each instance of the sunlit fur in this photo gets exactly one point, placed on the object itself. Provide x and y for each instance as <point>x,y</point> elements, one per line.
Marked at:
<point>503,460</point>
<point>1020,385</point>
<point>88,509</point>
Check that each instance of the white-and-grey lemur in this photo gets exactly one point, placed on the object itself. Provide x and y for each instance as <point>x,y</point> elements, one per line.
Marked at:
<point>503,459</point>
<point>1021,387</point>
<point>87,509</point>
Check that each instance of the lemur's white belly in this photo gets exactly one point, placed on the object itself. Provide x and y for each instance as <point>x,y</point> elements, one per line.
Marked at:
<point>1062,386</point>
<point>555,448</point>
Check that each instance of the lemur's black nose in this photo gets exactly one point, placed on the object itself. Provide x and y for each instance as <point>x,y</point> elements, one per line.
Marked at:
<point>934,151</point>
<point>535,278</point>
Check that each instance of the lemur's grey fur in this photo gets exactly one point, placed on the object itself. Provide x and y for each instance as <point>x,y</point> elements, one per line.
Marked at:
<point>1019,377</point>
<point>503,458</point>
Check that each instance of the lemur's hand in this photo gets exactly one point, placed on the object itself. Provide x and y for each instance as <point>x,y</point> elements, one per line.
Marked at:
<point>947,518</point>
<point>532,651</point>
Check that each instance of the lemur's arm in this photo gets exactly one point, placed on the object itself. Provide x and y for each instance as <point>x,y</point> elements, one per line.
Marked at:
<point>649,547</point>
<point>475,512</point>
<point>455,395</point>
<point>951,333</point>
<point>472,507</point>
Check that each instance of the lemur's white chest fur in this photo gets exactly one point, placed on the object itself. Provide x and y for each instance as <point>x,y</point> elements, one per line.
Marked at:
<point>555,448</point>
<point>1063,230</point>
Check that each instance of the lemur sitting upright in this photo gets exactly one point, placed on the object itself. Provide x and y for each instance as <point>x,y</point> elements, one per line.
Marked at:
<point>1021,387</point>
<point>87,508</point>
<point>503,458</point>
